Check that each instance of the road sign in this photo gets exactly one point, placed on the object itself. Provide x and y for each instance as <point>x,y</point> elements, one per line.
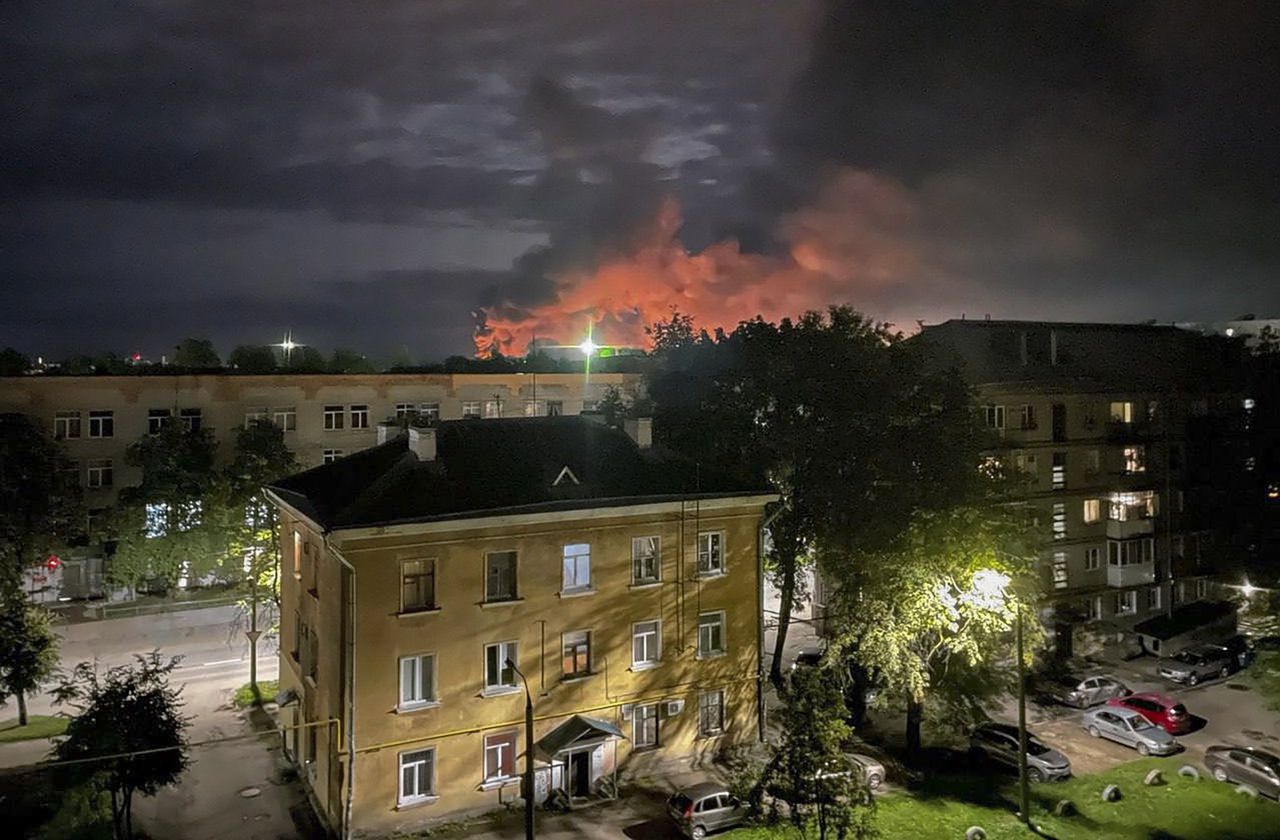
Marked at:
<point>253,635</point>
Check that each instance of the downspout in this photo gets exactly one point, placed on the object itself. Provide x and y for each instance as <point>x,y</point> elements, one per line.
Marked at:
<point>351,692</point>
<point>760,711</point>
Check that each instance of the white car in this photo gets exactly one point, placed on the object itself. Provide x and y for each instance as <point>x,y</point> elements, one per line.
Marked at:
<point>1130,729</point>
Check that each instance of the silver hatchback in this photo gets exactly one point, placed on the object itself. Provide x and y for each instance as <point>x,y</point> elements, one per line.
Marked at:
<point>703,808</point>
<point>1130,729</point>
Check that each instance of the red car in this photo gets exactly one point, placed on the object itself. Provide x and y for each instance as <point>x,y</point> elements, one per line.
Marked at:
<point>1161,709</point>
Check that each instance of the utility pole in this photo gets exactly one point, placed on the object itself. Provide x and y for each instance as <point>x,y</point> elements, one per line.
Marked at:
<point>253,631</point>
<point>528,753</point>
<point>1024,796</point>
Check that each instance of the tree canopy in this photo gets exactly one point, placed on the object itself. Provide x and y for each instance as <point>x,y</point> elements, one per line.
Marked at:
<point>41,505</point>
<point>196,353</point>
<point>28,649</point>
<point>252,358</point>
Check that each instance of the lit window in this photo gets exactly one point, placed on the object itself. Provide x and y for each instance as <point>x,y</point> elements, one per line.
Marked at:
<point>470,409</point>
<point>297,554</point>
<point>102,424</point>
<point>644,726</point>
<point>1059,480</point>
<point>577,567</point>
<point>1122,412</point>
<point>328,456</point>
<point>645,565</point>
<point>1059,521</point>
<point>1092,511</point>
<point>711,634</point>
<point>498,675</point>
<point>417,680</point>
<point>417,585</point>
<point>333,416</point>
<point>100,473</point>
<point>500,576</point>
<point>710,713</point>
<point>711,553</point>
<point>576,659</point>
<point>1126,603</point>
<point>532,408</point>
<point>1130,507</point>
<point>1059,570</point>
<point>66,425</point>
<point>359,416</point>
<point>493,409</point>
<point>500,757</point>
<point>646,644</point>
<point>156,418</point>
<point>1135,459</point>
<point>286,418</point>
<point>417,775</point>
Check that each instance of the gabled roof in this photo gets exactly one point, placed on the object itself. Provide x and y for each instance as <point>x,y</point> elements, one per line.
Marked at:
<point>496,467</point>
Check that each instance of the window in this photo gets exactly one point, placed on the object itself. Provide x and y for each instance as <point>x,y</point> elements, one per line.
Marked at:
<point>1129,507</point>
<point>1122,412</point>
<point>297,554</point>
<point>710,713</point>
<point>993,416</point>
<point>1059,570</point>
<point>576,654</point>
<point>100,473</point>
<point>1126,603</point>
<point>404,411</point>
<point>493,408</point>
<point>711,553</point>
<point>430,412</point>
<point>1093,608</point>
<point>498,675</point>
<point>1059,480</point>
<point>254,414</point>
<point>1153,598</point>
<point>555,408</point>
<point>331,455</point>
<point>644,726</point>
<point>1093,462</point>
<point>577,567</point>
<point>590,405</point>
<point>102,424</point>
<point>286,418</point>
<point>417,680</point>
<point>1092,513</point>
<point>500,576</point>
<point>1092,559</point>
<point>645,563</point>
<point>711,634</point>
<point>470,409</point>
<point>417,585</point>
<point>359,416</point>
<point>417,775</point>
<point>1130,552</point>
<point>646,644</point>
<point>531,408</point>
<point>333,415</point>
<point>1135,459</point>
<point>1059,521</point>
<point>156,418</point>
<point>192,419</point>
<point>1027,420</point>
<point>1202,588</point>
<point>1025,462</point>
<point>66,425</point>
<point>500,757</point>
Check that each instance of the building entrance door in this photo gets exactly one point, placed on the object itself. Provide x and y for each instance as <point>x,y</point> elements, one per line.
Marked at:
<point>580,773</point>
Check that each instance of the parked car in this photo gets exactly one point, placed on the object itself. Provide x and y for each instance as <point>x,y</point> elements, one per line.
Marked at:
<point>1245,765</point>
<point>1130,729</point>
<point>703,808</point>
<point>1241,647</point>
<point>1161,709</point>
<point>1082,692</point>
<point>807,657</point>
<point>872,770</point>
<point>1267,643</point>
<point>1196,663</point>
<point>998,742</point>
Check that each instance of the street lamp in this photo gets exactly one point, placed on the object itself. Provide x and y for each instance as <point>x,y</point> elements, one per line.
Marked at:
<point>528,753</point>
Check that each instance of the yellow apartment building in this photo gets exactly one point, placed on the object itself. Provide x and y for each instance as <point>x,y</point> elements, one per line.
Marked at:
<point>438,574</point>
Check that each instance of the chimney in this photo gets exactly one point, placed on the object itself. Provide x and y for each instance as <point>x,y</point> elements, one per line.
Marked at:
<point>422,442</point>
<point>640,429</point>
<point>386,431</point>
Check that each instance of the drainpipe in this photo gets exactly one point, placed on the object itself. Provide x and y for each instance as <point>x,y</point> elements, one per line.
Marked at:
<point>760,712</point>
<point>351,692</point>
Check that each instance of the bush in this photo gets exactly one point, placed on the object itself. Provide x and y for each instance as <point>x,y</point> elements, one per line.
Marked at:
<point>244,694</point>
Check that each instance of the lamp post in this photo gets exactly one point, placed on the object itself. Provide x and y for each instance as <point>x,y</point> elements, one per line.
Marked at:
<point>528,753</point>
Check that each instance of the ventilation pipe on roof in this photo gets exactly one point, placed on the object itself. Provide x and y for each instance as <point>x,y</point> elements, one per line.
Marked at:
<point>640,429</point>
<point>422,442</point>
<point>386,431</point>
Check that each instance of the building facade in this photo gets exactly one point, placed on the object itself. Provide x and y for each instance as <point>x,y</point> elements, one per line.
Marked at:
<point>438,575</point>
<point>1125,437</point>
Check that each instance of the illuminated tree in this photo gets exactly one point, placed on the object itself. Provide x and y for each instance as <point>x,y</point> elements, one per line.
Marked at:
<point>28,649</point>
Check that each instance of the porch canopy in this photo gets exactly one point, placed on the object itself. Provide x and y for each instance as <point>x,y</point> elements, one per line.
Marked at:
<point>578,731</point>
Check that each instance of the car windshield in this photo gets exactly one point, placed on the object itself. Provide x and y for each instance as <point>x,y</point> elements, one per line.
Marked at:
<point>1188,657</point>
<point>1034,747</point>
<point>1138,722</point>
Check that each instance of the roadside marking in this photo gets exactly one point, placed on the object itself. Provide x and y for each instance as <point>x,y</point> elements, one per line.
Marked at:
<point>208,664</point>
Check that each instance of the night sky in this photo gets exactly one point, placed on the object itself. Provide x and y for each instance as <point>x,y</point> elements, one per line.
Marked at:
<point>388,175</point>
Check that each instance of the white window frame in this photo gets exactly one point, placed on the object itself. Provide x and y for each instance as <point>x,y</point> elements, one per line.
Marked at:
<point>993,417</point>
<point>63,423</point>
<point>421,677</point>
<point>102,424</point>
<point>1092,559</point>
<point>405,410</point>
<point>704,706</point>
<point>328,456</point>
<point>508,742</point>
<point>705,651</point>
<point>505,650</point>
<point>640,549</point>
<point>253,414</point>
<point>471,410</point>
<point>192,419</point>
<point>156,418</point>
<point>285,417</point>
<point>711,559</point>
<point>422,792</point>
<point>1126,603</point>
<point>575,574</point>
<point>359,416</point>
<point>493,409</point>
<point>334,417</point>
<point>650,640</point>
<point>1060,571</point>
<point>640,714</point>
<point>1093,608</point>
<point>429,410</point>
<point>1059,520</point>
<point>532,408</point>
<point>1058,471</point>
<point>99,473</point>
<point>578,638</point>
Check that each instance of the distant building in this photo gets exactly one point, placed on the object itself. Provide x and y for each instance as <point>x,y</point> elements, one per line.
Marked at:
<point>1130,439</point>
<point>628,602</point>
<point>1248,328</point>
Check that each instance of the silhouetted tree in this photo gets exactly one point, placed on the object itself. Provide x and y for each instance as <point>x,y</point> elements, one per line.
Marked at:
<point>346,360</point>
<point>252,358</point>
<point>13,363</point>
<point>41,506</point>
<point>196,353</point>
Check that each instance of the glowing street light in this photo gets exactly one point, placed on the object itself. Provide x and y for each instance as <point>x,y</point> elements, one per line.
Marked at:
<point>588,347</point>
<point>288,345</point>
<point>1248,590</point>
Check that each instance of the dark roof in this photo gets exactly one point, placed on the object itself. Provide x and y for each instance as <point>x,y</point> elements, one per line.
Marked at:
<point>496,467</point>
<point>1125,357</point>
<point>578,729</point>
<point>1193,615</point>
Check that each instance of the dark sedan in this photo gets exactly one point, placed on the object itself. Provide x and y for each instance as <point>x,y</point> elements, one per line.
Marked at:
<point>1245,766</point>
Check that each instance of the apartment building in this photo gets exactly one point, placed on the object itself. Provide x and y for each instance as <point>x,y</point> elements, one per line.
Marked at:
<point>439,575</point>
<point>1127,439</point>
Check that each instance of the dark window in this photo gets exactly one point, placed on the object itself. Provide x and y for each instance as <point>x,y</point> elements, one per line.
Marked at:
<point>1059,422</point>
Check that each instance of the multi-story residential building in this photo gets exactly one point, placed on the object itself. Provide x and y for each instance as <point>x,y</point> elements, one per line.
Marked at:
<point>1125,436</point>
<point>434,577</point>
<point>324,417</point>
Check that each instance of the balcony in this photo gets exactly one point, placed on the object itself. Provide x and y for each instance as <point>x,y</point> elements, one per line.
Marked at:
<point>1118,530</point>
<point>1132,574</point>
<point>1136,432</point>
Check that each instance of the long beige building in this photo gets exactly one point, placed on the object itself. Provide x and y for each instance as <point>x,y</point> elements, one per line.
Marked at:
<point>437,576</point>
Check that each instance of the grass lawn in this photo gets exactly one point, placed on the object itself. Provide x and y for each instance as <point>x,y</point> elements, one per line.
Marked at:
<point>1181,809</point>
<point>38,726</point>
<point>244,694</point>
